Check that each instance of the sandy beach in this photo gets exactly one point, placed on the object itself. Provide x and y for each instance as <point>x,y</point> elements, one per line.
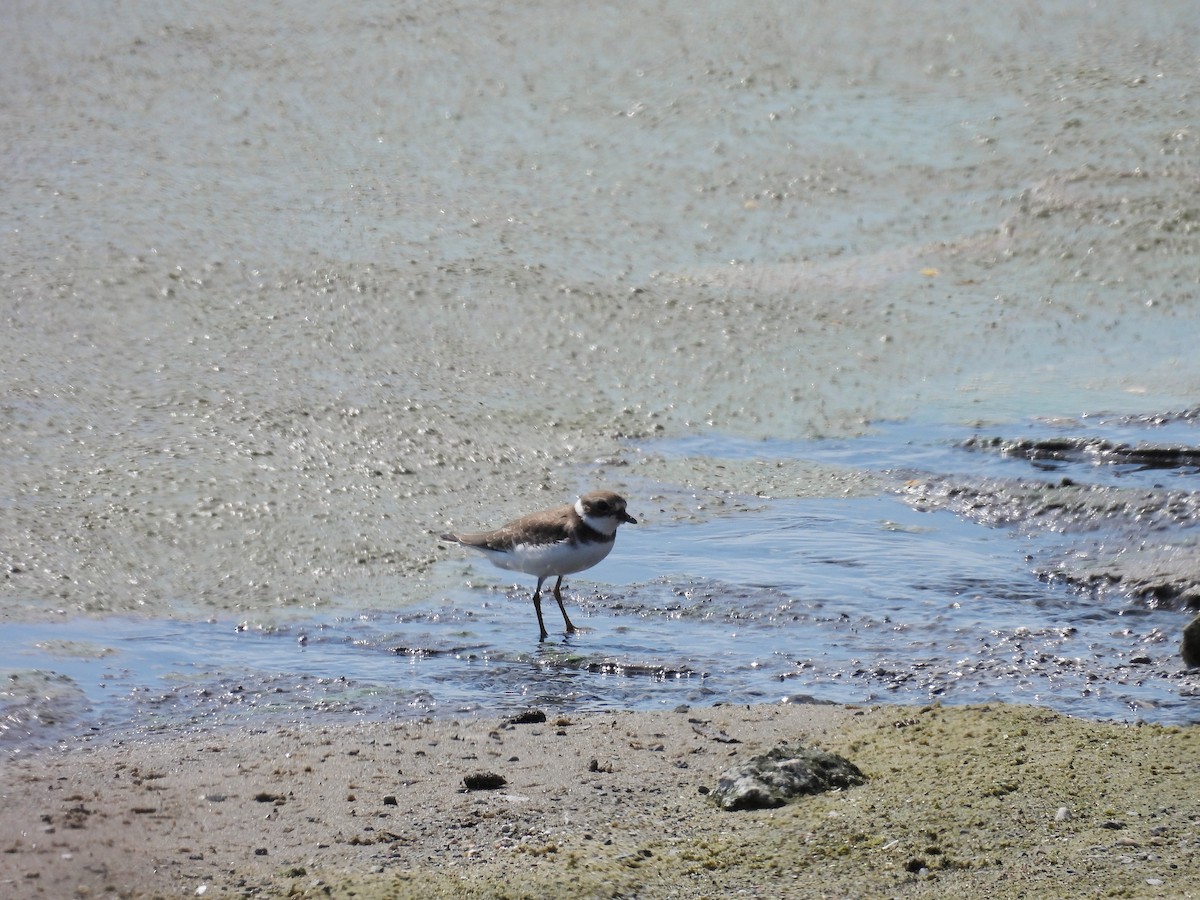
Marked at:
<point>969,802</point>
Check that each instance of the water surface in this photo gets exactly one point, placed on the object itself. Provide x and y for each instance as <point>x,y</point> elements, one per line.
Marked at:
<point>852,600</point>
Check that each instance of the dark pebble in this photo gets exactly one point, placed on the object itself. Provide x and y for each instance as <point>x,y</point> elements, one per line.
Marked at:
<point>528,717</point>
<point>484,781</point>
<point>1189,648</point>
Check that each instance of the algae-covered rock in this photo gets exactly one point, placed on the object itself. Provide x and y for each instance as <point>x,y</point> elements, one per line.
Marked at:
<point>781,775</point>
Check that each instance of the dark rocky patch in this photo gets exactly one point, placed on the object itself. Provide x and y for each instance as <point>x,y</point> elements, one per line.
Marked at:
<point>484,781</point>
<point>1189,647</point>
<point>527,717</point>
<point>1093,450</point>
<point>783,774</point>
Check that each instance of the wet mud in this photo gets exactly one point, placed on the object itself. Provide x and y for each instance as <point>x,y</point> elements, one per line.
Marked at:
<point>1096,450</point>
<point>1134,536</point>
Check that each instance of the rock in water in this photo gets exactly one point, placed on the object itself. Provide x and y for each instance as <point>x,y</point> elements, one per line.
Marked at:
<point>783,774</point>
<point>1189,648</point>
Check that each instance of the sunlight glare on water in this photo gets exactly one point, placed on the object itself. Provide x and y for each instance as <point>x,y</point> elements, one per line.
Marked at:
<point>848,601</point>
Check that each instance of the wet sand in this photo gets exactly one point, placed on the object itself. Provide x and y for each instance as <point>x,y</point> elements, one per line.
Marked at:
<point>971,802</point>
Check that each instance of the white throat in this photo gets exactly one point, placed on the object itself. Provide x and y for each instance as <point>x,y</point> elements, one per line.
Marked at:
<point>605,524</point>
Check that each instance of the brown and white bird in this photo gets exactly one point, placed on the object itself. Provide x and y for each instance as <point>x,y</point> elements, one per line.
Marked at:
<point>558,541</point>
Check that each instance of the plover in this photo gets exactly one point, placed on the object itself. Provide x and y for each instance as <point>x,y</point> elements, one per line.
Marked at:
<point>558,542</point>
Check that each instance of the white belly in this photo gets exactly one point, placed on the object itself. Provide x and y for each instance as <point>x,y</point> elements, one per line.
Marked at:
<point>543,560</point>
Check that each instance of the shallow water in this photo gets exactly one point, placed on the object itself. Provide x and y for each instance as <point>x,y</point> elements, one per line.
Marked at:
<point>854,600</point>
<point>936,447</point>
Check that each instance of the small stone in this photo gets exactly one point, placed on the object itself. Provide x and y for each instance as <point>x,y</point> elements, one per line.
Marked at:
<point>390,800</point>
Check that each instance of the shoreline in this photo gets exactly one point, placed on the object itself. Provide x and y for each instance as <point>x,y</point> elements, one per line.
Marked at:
<point>976,801</point>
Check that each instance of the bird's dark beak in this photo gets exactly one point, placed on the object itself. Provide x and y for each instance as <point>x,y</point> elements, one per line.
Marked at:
<point>626,517</point>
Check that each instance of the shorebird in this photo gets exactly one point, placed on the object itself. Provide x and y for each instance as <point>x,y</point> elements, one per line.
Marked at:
<point>558,541</point>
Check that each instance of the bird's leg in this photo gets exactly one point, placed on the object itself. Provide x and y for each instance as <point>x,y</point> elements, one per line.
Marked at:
<point>558,597</point>
<point>537,606</point>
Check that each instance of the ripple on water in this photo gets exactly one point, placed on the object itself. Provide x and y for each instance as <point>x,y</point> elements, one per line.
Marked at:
<point>853,600</point>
